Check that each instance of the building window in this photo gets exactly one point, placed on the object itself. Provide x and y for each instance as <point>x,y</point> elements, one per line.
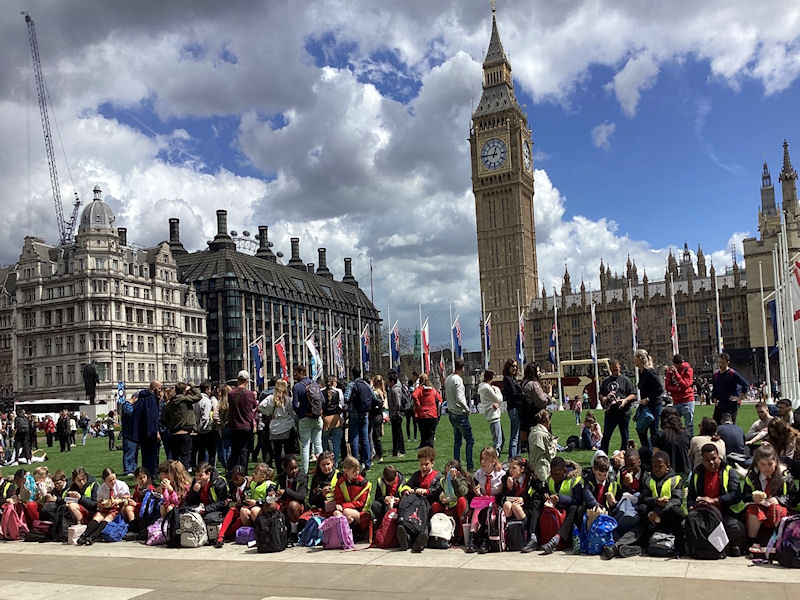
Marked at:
<point>30,377</point>
<point>70,373</point>
<point>120,372</point>
<point>48,376</point>
<point>104,371</point>
<point>29,348</point>
<point>70,344</point>
<point>151,371</point>
<point>47,317</point>
<point>131,375</point>
<point>151,344</point>
<point>48,346</point>
<point>141,372</point>
<point>59,345</point>
<point>100,310</point>
<point>140,343</point>
<point>60,375</point>
<point>82,342</point>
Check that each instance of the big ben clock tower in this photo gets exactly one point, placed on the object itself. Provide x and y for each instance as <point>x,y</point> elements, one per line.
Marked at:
<point>502,181</point>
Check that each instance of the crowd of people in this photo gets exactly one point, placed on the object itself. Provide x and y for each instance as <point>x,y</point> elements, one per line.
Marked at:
<point>652,496</point>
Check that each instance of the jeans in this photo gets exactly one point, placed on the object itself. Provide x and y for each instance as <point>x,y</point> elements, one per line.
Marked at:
<point>411,420</point>
<point>359,437</point>
<point>375,433</point>
<point>427,432</point>
<point>497,436</point>
<point>612,420</point>
<point>513,439</point>
<point>332,441</point>
<point>224,447</point>
<point>240,447</point>
<point>130,453</point>
<point>643,437</point>
<point>111,440</point>
<point>398,442</point>
<point>732,408</point>
<point>149,447</point>
<point>310,431</point>
<point>85,435</point>
<point>181,444</point>
<point>462,429</point>
<point>686,409</point>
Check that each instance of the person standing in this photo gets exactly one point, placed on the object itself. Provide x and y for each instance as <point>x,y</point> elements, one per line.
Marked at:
<point>62,431</point>
<point>22,443</point>
<point>111,429</point>
<point>49,430</point>
<point>73,429</point>
<point>458,413</point>
<point>376,417</point>
<point>178,416</point>
<point>616,394</point>
<point>650,390</point>
<point>426,400</point>
<point>728,387</point>
<point>145,425</point>
<point>513,395</point>
<point>332,421</point>
<point>358,398</point>
<point>130,449</point>
<point>679,382</point>
<point>491,398</point>
<point>396,414</point>
<point>84,423</point>
<point>242,406</point>
<point>309,426</point>
<point>204,445</point>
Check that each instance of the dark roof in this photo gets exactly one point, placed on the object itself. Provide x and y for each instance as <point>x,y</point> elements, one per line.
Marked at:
<point>495,54</point>
<point>264,277</point>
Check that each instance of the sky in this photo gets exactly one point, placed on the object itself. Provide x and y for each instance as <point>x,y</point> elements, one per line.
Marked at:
<point>345,123</point>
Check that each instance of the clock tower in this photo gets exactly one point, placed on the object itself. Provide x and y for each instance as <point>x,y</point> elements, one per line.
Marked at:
<point>502,181</point>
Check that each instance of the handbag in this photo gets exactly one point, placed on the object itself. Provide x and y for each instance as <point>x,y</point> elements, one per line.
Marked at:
<point>644,418</point>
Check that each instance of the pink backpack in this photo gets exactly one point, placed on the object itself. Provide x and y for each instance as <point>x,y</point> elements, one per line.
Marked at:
<point>336,533</point>
<point>12,524</point>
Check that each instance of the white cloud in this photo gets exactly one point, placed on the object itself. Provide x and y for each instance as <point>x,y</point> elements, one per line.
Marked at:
<point>638,74</point>
<point>601,135</point>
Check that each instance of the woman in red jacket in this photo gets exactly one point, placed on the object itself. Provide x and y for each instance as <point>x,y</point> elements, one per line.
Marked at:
<point>426,410</point>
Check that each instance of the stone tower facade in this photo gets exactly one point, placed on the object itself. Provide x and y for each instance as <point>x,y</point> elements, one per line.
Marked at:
<point>502,181</point>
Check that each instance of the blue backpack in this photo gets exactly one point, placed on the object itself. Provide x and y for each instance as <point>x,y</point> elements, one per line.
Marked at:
<point>115,531</point>
<point>149,509</point>
<point>311,536</point>
<point>599,535</point>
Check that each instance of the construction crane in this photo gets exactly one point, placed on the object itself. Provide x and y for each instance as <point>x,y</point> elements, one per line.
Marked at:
<point>65,228</point>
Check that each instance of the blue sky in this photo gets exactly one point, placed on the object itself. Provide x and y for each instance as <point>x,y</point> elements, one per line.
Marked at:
<point>346,124</point>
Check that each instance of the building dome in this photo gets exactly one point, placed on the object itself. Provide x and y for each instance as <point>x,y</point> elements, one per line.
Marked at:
<point>96,214</point>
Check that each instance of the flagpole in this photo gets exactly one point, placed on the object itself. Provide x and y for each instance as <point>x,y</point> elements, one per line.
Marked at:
<point>596,351</point>
<point>675,344</point>
<point>779,317</point>
<point>389,322</point>
<point>272,336</point>
<point>421,349</point>
<point>720,342</point>
<point>795,380</point>
<point>635,336</point>
<point>452,343</point>
<point>558,353</point>
<point>360,343</point>
<point>483,331</point>
<point>764,327</point>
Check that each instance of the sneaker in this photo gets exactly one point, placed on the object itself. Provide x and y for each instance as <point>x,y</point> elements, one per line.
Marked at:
<point>81,541</point>
<point>402,538</point>
<point>483,546</point>
<point>628,550</point>
<point>608,553</point>
<point>420,543</point>
<point>551,546</point>
<point>132,536</point>
<point>734,552</point>
<point>400,454</point>
<point>218,544</point>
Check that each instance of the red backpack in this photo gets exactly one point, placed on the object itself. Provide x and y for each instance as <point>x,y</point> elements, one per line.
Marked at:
<point>550,521</point>
<point>386,536</point>
<point>12,524</point>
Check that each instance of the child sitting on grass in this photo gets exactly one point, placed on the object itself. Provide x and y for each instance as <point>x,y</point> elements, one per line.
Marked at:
<point>425,483</point>
<point>322,483</point>
<point>261,491</point>
<point>387,492</point>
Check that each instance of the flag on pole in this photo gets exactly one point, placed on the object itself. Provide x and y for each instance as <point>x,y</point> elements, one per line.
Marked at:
<point>441,364</point>
<point>426,347</point>
<point>673,334</point>
<point>280,350</point>
<point>521,340</point>
<point>257,351</point>
<point>456,326</point>
<point>316,359</point>
<point>593,340</point>
<point>394,347</point>
<point>634,326</point>
<point>551,356</point>
<point>488,327</point>
<point>365,348</point>
<point>338,353</point>
<point>794,290</point>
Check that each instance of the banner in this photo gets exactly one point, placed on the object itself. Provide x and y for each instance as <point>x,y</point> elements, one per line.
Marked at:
<point>456,326</point>
<point>488,332</point>
<point>426,347</point>
<point>316,359</point>
<point>394,347</point>
<point>593,339</point>
<point>257,351</point>
<point>365,349</point>
<point>634,326</point>
<point>673,334</point>
<point>551,355</point>
<point>280,350</point>
<point>521,341</point>
<point>441,365</point>
<point>338,354</point>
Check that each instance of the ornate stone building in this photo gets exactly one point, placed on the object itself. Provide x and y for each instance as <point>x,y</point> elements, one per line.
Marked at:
<point>502,181</point>
<point>99,300</point>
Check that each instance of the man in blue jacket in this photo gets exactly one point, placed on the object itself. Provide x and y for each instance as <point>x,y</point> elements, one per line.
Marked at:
<point>130,449</point>
<point>144,426</point>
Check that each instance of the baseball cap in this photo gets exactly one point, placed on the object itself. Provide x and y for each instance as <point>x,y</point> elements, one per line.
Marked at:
<point>243,376</point>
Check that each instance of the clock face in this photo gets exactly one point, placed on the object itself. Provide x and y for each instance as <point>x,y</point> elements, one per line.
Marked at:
<point>493,153</point>
<point>526,155</point>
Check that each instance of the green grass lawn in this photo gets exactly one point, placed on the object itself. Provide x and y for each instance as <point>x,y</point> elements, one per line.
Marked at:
<point>95,456</point>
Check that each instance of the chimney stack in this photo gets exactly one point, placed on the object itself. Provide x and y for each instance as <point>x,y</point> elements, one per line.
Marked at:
<point>222,241</point>
<point>175,237</point>
<point>122,232</point>
<point>222,223</point>
<point>264,250</point>
<point>348,272</point>
<point>323,270</point>
<point>296,262</point>
<point>310,267</point>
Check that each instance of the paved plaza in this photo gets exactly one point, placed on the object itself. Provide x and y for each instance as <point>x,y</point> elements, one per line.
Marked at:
<point>128,570</point>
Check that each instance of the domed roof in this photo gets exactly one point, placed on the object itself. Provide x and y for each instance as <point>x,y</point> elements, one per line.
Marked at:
<point>97,213</point>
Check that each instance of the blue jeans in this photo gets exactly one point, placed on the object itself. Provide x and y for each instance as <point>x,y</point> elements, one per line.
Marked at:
<point>686,409</point>
<point>513,439</point>
<point>85,435</point>
<point>462,429</point>
<point>333,437</point>
<point>310,432</point>
<point>130,453</point>
<point>359,438</point>
<point>497,436</point>
<point>643,437</point>
<point>224,449</point>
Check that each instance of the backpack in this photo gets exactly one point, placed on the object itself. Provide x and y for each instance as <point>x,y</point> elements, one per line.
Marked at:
<point>336,533</point>
<point>701,522</point>
<point>515,535</point>
<point>171,528</point>
<point>314,399</point>
<point>331,407</point>
<point>550,521</point>
<point>361,397</point>
<point>786,545</point>
<point>12,523</point>
<point>661,544</point>
<point>245,535</point>
<point>311,536</point>
<point>496,528</point>
<point>386,536</point>
<point>598,535</point>
<point>149,508</point>
<point>64,519</point>
<point>155,534</point>
<point>115,531</point>
<point>193,532</point>
<point>406,400</point>
<point>21,424</point>
<point>272,533</point>
<point>442,528</point>
<point>413,514</point>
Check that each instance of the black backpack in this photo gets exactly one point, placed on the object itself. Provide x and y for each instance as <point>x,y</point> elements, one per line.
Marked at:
<point>330,405</point>
<point>406,401</point>
<point>515,535</point>
<point>271,532</point>
<point>64,519</point>
<point>314,399</point>
<point>413,513</point>
<point>700,523</point>
<point>361,397</point>
<point>171,528</point>
<point>21,424</point>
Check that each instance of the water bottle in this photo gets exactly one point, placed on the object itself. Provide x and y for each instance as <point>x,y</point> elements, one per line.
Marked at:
<point>576,540</point>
